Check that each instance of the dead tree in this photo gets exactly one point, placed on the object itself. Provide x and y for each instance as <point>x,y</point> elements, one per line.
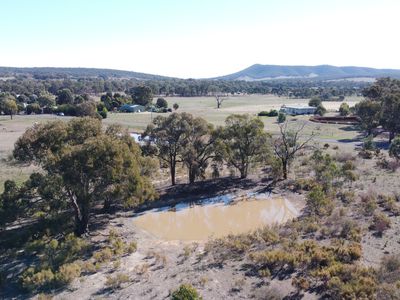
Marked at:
<point>219,100</point>
<point>288,144</point>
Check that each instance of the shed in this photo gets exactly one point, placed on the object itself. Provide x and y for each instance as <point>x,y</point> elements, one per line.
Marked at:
<point>132,108</point>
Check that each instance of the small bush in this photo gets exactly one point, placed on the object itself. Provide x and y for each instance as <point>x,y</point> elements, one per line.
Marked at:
<point>351,282</point>
<point>117,281</point>
<point>301,283</point>
<point>131,247</point>
<point>380,223</point>
<point>390,205</point>
<point>368,202</point>
<point>103,255</point>
<point>269,235</point>
<point>118,246</point>
<point>185,292</point>
<point>187,251</point>
<point>88,267</point>
<point>369,144</point>
<point>350,231</point>
<point>271,113</point>
<point>67,273</point>
<point>281,117</point>
<point>346,197</point>
<point>318,203</point>
<point>348,166</point>
<point>39,280</point>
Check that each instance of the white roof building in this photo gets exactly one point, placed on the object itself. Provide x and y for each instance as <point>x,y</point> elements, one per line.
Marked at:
<point>298,110</point>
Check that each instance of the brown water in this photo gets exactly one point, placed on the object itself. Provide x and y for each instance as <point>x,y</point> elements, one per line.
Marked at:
<point>215,220</point>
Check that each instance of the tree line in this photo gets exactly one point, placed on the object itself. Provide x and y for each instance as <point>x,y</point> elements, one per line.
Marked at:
<point>242,144</point>
<point>184,87</point>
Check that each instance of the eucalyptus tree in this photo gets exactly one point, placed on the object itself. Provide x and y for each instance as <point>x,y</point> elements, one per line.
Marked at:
<point>86,164</point>
<point>243,142</point>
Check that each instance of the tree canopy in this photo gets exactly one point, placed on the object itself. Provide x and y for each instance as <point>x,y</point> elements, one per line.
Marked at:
<point>243,142</point>
<point>142,95</point>
<point>89,165</point>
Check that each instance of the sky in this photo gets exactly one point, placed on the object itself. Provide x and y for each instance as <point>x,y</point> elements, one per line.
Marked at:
<point>198,38</point>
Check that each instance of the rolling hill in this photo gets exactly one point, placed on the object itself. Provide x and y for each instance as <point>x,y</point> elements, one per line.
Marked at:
<point>259,72</point>
<point>47,72</point>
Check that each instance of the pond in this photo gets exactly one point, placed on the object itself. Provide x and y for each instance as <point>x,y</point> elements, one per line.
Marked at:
<point>215,217</point>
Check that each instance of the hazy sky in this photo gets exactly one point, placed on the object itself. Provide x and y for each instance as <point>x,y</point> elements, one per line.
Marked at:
<point>198,38</point>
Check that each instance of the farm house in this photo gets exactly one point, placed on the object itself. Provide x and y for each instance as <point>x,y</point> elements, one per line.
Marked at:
<point>298,110</point>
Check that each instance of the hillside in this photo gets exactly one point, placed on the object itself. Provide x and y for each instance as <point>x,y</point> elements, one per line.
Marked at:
<point>259,72</point>
<point>49,73</point>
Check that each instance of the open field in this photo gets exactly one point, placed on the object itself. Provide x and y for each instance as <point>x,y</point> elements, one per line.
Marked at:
<point>205,107</point>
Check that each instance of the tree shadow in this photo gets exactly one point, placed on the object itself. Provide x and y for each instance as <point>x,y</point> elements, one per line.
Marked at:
<point>197,192</point>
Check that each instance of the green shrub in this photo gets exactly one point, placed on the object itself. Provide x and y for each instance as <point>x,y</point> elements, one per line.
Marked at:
<point>32,280</point>
<point>118,246</point>
<point>274,260</point>
<point>321,110</point>
<point>315,102</point>
<point>318,203</point>
<point>368,144</point>
<point>103,114</point>
<point>394,149</point>
<point>344,109</point>
<point>281,117</point>
<point>103,255</point>
<point>185,292</point>
<point>351,282</point>
<point>271,113</point>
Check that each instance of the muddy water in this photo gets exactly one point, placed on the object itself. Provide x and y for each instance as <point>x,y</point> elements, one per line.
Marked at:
<point>216,219</point>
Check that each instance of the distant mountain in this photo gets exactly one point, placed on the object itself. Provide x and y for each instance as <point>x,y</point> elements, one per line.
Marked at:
<point>259,72</point>
<point>47,72</point>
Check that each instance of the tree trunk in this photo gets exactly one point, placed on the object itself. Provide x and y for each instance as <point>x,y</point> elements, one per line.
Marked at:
<point>82,219</point>
<point>284,169</point>
<point>11,116</point>
<point>192,175</point>
<point>107,205</point>
<point>243,172</point>
<point>172,169</point>
<point>82,225</point>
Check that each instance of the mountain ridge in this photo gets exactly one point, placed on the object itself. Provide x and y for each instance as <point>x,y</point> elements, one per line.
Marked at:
<point>256,72</point>
<point>259,72</point>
